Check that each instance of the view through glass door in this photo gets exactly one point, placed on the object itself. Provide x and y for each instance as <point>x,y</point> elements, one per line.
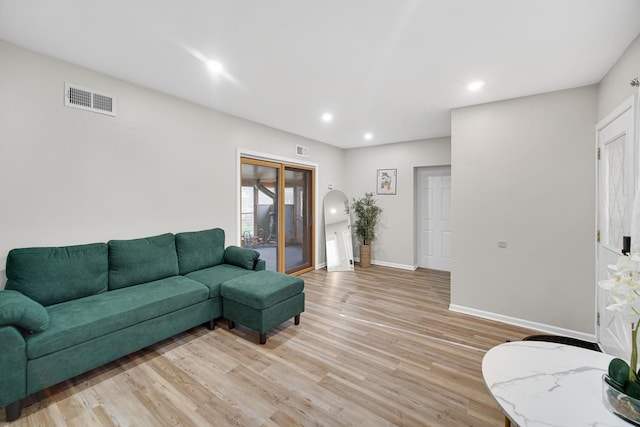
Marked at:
<point>298,218</point>
<point>277,214</point>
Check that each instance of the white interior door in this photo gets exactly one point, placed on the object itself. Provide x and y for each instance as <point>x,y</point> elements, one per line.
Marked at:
<point>616,189</point>
<point>434,218</point>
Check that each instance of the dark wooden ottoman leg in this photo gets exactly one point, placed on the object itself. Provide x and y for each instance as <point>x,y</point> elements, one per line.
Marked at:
<point>212,324</point>
<point>296,320</point>
<point>13,410</point>
<point>263,338</point>
<point>232,324</point>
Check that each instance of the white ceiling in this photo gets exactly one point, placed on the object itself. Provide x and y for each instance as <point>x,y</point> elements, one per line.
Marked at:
<point>391,67</point>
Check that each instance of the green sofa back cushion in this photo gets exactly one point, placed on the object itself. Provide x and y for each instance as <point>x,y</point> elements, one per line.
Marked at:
<point>136,261</point>
<point>53,275</point>
<point>241,257</point>
<point>200,249</point>
<point>19,310</point>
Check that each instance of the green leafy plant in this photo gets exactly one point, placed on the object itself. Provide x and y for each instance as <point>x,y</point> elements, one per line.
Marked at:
<point>367,213</point>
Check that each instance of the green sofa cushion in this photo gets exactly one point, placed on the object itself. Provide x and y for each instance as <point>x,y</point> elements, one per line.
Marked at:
<point>19,310</point>
<point>64,364</point>
<point>78,321</point>
<point>53,275</point>
<point>136,261</point>
<point>241,257</point>
<point>261,289</point>
<point>212,277</point>
<point>199,249</point>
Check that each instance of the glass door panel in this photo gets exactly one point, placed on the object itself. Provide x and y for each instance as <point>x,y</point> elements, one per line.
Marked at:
<point>298,218</point>
<point>259,209</point>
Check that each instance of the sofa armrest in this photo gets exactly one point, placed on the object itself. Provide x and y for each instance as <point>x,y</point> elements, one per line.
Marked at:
<point>241,257</point>
<point>17,309</point>
<point>260,265</point>
<point>13,366</point>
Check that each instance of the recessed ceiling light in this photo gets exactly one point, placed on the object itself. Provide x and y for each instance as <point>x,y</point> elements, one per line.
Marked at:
<point>475,86</point>
<point>327,117</point>
<point>368,136</point>
<point>215,67</point>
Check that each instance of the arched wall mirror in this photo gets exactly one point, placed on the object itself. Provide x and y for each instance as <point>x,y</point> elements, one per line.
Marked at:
<point>337,227</point>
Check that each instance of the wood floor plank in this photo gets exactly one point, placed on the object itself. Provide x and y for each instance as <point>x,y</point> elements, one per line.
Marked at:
<point>375,347</point>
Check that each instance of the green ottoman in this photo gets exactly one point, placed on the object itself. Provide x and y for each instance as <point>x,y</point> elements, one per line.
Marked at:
<point>262,300</point>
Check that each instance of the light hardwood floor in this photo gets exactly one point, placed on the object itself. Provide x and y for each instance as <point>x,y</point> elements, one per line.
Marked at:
<point>377,347</point>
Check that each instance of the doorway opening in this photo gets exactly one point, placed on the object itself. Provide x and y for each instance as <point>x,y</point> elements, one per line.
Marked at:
<point>277,211</point>
<point>617,179</point>
<point>433,205</point>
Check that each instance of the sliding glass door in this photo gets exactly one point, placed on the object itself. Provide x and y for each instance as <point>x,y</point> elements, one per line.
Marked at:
<point>277,213</point>
<point>298,218</point>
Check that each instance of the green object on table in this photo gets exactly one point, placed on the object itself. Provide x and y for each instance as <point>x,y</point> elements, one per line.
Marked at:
<point>632,388</point>
<point>619,372</point>
<point>619,378</point>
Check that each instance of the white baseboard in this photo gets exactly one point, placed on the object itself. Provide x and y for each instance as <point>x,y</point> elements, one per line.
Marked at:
<point>390,264</point>
<point>523,323</point>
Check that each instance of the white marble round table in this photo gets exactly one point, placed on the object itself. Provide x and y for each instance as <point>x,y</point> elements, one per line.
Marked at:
<point>547,384</point>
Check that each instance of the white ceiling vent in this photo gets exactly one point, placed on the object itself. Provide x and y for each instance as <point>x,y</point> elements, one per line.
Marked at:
<point>88,99</point>
<point>302,151</point>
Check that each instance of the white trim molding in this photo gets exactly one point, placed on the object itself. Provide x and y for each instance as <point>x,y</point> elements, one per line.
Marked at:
<point>390,264</point>
<point>523,323</point>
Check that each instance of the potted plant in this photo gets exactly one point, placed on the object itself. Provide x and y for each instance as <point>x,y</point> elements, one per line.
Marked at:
<point>367,214</point>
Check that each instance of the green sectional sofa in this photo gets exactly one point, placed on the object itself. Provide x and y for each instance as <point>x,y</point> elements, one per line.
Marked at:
<point>67,310</point>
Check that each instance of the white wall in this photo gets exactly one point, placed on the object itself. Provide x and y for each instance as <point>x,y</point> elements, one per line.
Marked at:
<point>396,233</point>
<point>162,165</point>
<point>615,86</point>
<point>523,171</point>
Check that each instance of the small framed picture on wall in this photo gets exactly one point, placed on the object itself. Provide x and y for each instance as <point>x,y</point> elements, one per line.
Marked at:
<point>386,182</point>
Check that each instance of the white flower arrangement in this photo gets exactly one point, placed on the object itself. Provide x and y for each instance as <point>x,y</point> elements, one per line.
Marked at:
<point>624,288</point>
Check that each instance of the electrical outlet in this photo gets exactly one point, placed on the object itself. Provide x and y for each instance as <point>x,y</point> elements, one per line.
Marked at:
<point>502,244</point>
